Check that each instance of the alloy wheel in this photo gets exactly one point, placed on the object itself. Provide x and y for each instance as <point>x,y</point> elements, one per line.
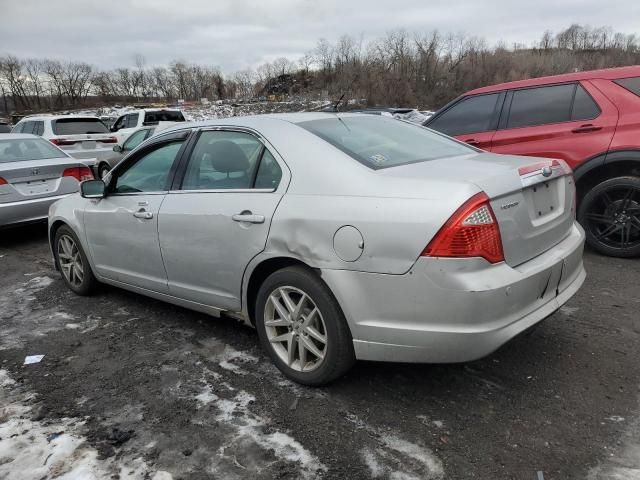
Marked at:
<point>70,260</point>
<point>614,218</point>
<point>295,328</point>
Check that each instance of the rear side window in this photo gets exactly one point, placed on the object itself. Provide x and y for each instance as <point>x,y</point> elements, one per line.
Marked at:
<point>27,127</point>
<point>469,115</point>
<point>163,116</point>
<point>38,129</point>
<point>631,84</point>
<point>78,126</point>
<point>542,105</point>
<point>584,107</point>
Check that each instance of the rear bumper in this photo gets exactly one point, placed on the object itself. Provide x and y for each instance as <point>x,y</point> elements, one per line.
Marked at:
<point>26,211</point>
<point>455,310</point>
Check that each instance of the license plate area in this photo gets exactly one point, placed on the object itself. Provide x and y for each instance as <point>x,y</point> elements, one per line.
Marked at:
<point>544,200</point>
<point>89,144</point>
<point>35,187</point>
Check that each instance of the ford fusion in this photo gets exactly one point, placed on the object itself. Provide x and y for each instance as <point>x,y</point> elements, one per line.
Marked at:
<point>339,236</point>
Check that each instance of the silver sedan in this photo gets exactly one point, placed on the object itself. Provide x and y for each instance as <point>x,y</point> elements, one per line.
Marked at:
<point>33,174</point>
<point>339,236</point>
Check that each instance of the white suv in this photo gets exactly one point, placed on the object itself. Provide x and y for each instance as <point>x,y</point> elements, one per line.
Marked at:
<point>128,123</point>
<point>80,136</point>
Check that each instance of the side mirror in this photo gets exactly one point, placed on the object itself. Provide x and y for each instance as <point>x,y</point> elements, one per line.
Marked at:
<point>117,148</point>
<point>92,189</point>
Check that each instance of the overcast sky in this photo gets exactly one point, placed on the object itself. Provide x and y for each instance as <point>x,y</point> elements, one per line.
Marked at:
<point>236,34</point>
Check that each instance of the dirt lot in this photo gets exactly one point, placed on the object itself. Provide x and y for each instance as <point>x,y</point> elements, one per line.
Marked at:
<point>133,388</point>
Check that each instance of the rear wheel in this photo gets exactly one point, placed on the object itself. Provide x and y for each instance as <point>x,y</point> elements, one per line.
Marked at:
<point>72,262</point>
<point>302,327</point>
<point>610,215</point>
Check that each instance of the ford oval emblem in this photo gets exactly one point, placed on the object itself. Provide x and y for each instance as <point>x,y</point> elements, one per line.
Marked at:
<point>546,171</point>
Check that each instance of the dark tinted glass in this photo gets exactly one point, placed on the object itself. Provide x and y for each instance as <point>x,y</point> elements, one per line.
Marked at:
<point>631,84</point>
<point>79,126</point>
<point>470,115</point>
<point>4,128</point>
<point>132,120</point>
<point>539,106</point>
<point>163,116</point>
<point>39,128</point>
<point>584,107</point>
<point>381,142</point>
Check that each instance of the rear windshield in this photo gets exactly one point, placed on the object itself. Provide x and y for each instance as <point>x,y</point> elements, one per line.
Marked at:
<point>381,142</point>
<point>632,84</point>
<point>163,116</point>
<point>17,150</point>
<point>79,126</point>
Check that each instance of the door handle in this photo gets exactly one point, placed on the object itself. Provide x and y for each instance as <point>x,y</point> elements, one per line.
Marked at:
<point>142,213</point>
<point>248,217</point>
<point>586,128</point>
<point>472,141</point>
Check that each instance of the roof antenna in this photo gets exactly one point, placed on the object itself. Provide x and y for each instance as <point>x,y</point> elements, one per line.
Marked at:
<point>335,105</point>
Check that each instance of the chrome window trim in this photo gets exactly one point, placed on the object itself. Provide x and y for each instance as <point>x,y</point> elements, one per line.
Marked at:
<point>227,190</point>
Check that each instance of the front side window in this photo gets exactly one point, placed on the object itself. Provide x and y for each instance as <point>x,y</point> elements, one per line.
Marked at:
<point>223,160</point>
<point>120,123</point>
<point>132,120</point>
<point>28,149</point>
<point>150,173</point>
<point>134,140</point>
<point>469,115</point>
<point>381,142</point>
<point>541,106</point>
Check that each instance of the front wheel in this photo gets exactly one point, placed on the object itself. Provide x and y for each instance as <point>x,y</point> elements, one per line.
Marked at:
<point>610,215</point>
<point>72,262</point>
<point>302,327</point>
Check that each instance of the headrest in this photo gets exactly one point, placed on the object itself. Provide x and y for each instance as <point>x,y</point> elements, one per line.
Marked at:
<point>227,157</point>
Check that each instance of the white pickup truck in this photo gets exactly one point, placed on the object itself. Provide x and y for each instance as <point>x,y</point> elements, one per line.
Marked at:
<point>131,121</point>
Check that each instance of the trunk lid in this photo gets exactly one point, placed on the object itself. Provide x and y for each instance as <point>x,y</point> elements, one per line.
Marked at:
<point>34,179</point>
<point>534,205</point>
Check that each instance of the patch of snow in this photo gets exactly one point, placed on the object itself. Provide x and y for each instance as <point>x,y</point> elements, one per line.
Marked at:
<point>206,396</point>
<point>566,310</point>
<point>249,426</point>
<point>32,450</point>
<point>416,452</point>
<point>370,460</point>
<point>616,418</point>
<point>230,358</point>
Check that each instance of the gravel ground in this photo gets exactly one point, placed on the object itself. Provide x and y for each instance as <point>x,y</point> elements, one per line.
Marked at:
<point>130,387</point>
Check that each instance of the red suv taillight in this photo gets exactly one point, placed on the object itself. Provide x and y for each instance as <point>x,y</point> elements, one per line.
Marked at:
<point>79,173</point>
<point>3,181</point>
<point>61,141</point>
<point>472,231</point>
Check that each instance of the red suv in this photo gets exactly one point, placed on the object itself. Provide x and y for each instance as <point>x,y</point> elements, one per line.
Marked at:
<point>589,119</point>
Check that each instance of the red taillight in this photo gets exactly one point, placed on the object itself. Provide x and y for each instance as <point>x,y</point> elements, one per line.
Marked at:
<point>61,141</point>
<point>109,140</point>
<point>472,231</point>
<point>79,173</point>
<point>3,181</point>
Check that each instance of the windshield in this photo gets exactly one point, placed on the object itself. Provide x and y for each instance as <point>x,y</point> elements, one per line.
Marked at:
<point>79,126</point>
<point>17,150</point>
<point>381,142</point>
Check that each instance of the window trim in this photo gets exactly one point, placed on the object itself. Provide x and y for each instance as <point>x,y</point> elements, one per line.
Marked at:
<point>132,158</point>
<point>504,120</point>
<point>176,186</point>
<point>495,115</point>
<point>618,80</point>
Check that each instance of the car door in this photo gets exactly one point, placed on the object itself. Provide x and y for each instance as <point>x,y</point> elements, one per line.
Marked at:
<point>571,121</point>
<point>217,217</point>
<point>472,119</point>
<point>122,228</point>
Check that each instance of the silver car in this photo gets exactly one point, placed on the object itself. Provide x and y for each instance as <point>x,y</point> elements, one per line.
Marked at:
<point>111,160</point>
<point>339,236</point>
<point>34,174</point>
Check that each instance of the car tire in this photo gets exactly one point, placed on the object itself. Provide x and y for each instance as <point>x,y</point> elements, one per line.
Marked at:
<point>72,262</point>
<point>103,169</point>
<point>610,215</point>
<point>302,290</point>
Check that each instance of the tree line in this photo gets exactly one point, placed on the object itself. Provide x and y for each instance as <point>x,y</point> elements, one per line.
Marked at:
<point>423,70</point>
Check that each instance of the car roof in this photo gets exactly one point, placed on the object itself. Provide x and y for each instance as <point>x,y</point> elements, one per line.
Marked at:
<point>56,117</point>
<point>605,73</point>
<point>18,136</point>
<point>254,121</point>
